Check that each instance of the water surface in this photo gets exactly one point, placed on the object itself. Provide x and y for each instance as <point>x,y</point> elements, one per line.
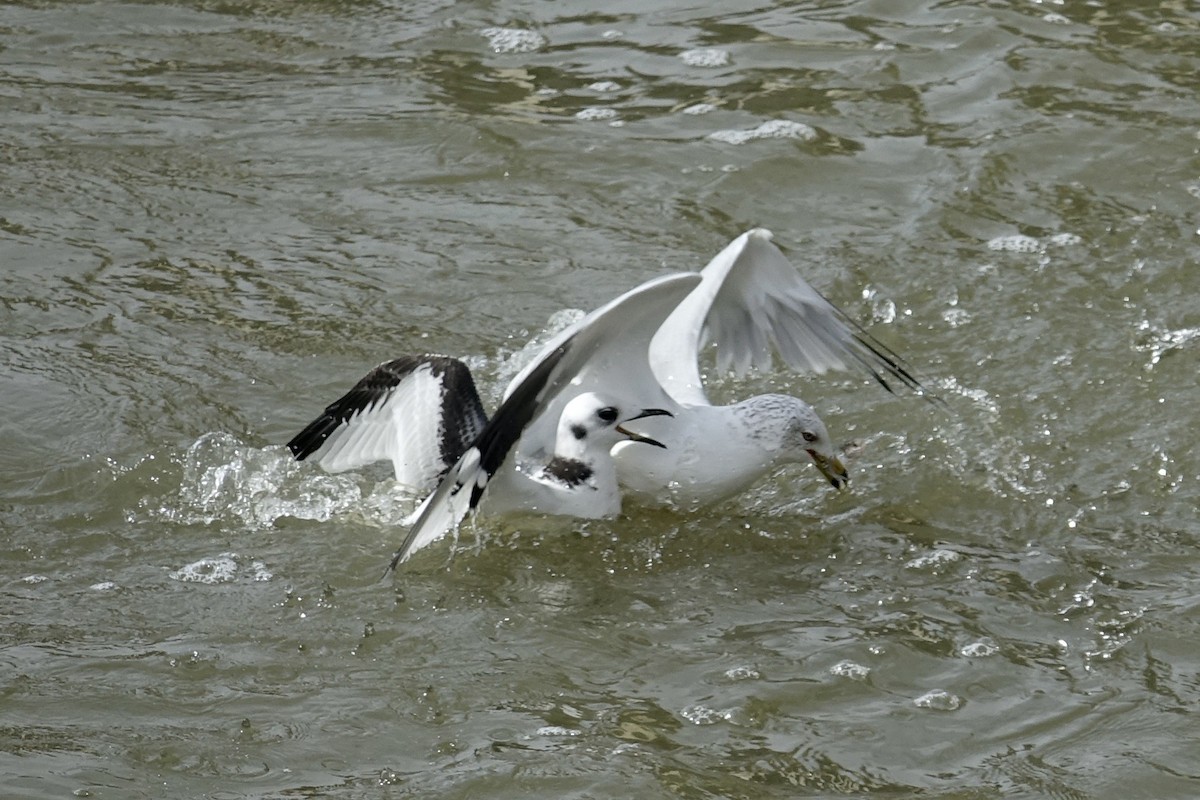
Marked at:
<point>215,217</point>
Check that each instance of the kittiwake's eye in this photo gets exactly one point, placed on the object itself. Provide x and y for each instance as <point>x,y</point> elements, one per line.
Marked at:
<point>810,437</point>
<point>608,414</point>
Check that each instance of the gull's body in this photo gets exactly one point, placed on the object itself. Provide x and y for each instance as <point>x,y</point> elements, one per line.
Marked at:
<point>751,303</point>
<point>720,451</point>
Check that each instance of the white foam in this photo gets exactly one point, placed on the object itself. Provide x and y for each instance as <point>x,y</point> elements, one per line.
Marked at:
<point>742,674</point>
<point>33,580</point>
<point>1016,243</point>
<point>772,129</point>
<point>557,730</point>
<point>513,40</point>
<point>217,569</point>
<point>981,649</point>
<point>707,57</point>
<point>595,113</point>
<point>956,317</point>
<point>851,670</point>
<point>938,700</point>
<point>604,87</point>
<point>933,560</point>
<point>700,108</point>
<point>703,715</point>
<point>1064,240</point>
<point>103,586</point>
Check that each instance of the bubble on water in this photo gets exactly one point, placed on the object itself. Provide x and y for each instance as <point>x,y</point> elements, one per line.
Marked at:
<point>705,57</point>
<point>1161,341</point>
<point>604,86</point>
<point>742,674</point>
<point>699,108</point>
<point>851,670</point>
<point>934,560</point>
<point>612,34</point>
<point>103,586</point>
<point>1064,240</point>
<point>595,113</point>
<point>213,570</point>
<point>1016,243</point>
<point>772,129</point>
<point>513,40</point>
<point>980,649</point>
<point>33,580</point>
<point>557,731</point>
<point>938,700</point>
<point>1056,18</point>
<point>703,715</point>
<point>956,317</point>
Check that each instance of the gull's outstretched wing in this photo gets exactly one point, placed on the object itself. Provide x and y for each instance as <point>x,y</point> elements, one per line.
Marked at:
<point>752,302</point>
<point>419,412</point>
<point>533,402</point>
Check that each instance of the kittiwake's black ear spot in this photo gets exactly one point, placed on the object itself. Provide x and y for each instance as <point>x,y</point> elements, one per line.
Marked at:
<point>579,431</point>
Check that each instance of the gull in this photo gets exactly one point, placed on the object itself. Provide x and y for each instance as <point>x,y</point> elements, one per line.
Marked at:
<point>424,414</point>
<point>642,350</point>
<point>750,302</point>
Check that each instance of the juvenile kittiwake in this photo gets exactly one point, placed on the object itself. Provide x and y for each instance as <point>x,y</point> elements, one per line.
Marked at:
<point>423,413</point>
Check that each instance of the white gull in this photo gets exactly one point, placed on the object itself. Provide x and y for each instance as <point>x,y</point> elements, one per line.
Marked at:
<point>750,302</point>
<point>639,351</point>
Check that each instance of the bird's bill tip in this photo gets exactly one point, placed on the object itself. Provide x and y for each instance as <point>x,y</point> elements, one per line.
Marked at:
<point>832,468</point>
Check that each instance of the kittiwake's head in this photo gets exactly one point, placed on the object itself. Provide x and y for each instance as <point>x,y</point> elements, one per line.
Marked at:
<point>592,420</point>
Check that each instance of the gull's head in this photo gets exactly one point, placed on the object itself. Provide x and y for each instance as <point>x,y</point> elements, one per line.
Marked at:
<point>807,433</point>
<point>592,420</point>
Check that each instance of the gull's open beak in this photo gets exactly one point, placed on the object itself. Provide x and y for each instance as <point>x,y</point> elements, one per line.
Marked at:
<point>832,468</point>
<point>637,437</point>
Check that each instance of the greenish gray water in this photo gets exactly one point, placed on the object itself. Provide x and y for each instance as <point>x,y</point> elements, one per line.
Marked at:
<point>215,217</point>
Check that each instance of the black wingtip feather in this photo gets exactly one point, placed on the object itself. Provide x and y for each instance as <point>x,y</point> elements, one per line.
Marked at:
<point>309,440</point>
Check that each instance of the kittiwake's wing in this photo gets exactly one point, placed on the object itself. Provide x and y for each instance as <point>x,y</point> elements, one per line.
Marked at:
<point>419,412</point>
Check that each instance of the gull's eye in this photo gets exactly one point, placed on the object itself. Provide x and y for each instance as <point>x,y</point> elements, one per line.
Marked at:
<point>608,414</point>
<point>810,437</point>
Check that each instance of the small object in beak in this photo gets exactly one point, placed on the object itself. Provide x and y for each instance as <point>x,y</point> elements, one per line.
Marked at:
<point>832,468</point>
<point>637,437</point>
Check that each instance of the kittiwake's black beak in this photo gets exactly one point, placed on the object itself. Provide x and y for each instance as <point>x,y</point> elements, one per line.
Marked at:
<point>637,437</point>
<point>650,412</point>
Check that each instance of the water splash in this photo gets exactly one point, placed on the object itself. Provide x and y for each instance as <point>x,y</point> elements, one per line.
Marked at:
<point>513,40</point>
<point>1160,341</point>
<point>850,669</point>
<point>706,57</point>
<point>227,482</point>
<point>772,129</point>
<point>939,700</point>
